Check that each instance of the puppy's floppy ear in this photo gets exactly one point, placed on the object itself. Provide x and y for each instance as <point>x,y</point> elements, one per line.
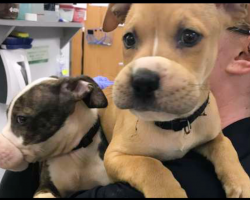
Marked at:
<point>116,14</point>
<point>85,89</point>
<point>96,98</point>
<point>79,89</point>
<point>236,11</point>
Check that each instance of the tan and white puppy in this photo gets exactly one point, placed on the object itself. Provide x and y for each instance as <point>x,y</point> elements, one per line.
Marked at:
<point>163,92</point>
<point>55,122</point>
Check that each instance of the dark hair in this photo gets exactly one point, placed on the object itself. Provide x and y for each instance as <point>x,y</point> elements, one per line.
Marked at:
<point>242,31</point>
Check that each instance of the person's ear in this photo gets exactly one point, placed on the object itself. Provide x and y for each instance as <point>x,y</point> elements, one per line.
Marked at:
<point>241,64</point>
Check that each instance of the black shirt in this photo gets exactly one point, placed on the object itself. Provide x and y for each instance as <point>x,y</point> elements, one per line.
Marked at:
<point>195,174</point>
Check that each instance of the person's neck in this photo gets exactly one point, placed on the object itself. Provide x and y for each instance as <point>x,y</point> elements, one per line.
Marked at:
<point>233,104</point>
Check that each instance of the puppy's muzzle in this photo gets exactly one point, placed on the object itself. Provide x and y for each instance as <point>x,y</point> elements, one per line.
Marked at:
<point>156,84</point>
<point>11,158</point>
<point>144,83</point>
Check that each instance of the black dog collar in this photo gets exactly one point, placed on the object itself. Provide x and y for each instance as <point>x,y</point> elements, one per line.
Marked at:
<point>88,138</point>
<point>185,123</point>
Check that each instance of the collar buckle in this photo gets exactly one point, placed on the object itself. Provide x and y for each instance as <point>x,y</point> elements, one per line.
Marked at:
<point>182,124</point>
<point>187,127</point>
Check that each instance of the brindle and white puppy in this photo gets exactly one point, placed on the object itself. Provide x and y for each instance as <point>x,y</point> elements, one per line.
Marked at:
<point>169,53</point>
<point>46,122</point>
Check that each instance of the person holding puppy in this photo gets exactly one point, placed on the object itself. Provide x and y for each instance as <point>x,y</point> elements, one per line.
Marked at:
<point>231,87</point>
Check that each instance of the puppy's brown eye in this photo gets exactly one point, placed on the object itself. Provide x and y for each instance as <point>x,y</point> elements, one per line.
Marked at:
<point>21,120</point>
<point>129,40</point>
<point>188,38</point>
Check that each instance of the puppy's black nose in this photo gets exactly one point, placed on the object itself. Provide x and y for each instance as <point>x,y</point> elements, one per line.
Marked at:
<point>145,83</point>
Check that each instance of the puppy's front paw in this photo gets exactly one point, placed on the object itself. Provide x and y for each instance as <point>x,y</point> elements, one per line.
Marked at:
<point>236,187</point>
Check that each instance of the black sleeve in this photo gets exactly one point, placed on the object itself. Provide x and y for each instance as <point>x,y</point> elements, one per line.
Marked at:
<point>20,185</point>
<point>118,190</point>
<point>197,176</point>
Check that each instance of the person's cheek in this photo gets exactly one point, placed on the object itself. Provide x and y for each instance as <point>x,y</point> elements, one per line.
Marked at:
<point>224,57</point>
<point>229,48</point>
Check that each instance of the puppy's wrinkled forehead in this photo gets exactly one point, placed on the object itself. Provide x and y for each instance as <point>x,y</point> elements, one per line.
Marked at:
<point>150,17</point>
<point>37,97</point>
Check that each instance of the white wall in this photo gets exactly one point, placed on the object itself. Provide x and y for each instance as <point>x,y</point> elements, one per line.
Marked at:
<point>46,69</point>
<point>39,71</point>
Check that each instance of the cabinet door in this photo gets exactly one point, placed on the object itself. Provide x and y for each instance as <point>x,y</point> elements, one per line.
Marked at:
<point>102,60</point>
<point>77,54</point>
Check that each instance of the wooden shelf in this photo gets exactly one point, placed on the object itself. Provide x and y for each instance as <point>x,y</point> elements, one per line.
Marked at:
<point>65,31</point>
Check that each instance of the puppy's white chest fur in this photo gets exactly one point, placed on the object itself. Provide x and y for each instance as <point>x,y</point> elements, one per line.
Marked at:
<point>80,170</point>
